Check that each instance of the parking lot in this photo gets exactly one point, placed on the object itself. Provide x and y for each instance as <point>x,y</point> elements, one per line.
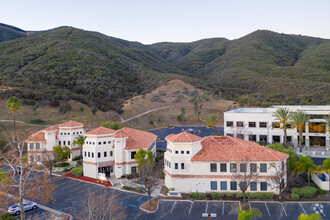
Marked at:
<point>290,210</point>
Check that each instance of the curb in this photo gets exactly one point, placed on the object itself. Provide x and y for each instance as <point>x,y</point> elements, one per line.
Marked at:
<point>87,182</point>
<point>148,210</point>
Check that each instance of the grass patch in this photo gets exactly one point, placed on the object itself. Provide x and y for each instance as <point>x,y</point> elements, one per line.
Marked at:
<point>65,164</point>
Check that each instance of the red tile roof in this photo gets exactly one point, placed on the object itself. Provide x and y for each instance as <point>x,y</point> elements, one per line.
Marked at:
<point>136,139</point>
<point>38,136</point>
<point>70,124</point>
<point>101,130</point>
<point>183,137</point>
<point>52,128</point>
<point>225,148</point>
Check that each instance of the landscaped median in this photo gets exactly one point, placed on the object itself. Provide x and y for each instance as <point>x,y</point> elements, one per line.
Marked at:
<point>150,206</point>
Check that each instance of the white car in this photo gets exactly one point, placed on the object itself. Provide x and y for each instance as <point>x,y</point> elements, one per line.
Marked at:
<point>16,209</point>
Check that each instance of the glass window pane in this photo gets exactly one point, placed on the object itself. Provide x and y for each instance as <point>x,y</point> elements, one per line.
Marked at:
<point>214,185</point>
<point>223,185</point>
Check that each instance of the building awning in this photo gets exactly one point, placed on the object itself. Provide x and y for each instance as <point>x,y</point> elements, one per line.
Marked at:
<point>105,163</point>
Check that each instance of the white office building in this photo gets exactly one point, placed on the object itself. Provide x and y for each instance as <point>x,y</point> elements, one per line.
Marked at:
<point>258,124</point>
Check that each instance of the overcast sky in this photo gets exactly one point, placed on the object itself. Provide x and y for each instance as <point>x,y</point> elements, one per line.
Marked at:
<point>171,20</point>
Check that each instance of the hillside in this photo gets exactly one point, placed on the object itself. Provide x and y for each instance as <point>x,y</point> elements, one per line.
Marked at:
<point>8,32</point>
<point>68,63</point>
<point>261,68</point>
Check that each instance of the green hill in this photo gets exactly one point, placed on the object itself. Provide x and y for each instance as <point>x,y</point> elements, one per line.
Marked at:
<point>261,68</point>
<point>8,32</point>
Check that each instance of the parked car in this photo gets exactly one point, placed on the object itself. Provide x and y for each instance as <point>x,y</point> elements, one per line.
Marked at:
<point>16,209</point>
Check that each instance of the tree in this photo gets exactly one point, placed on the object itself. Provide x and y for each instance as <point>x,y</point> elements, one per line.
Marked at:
<point>148,176</point>
<point>80,141</point>
<point>48,161</point>
<point>61,152</point>
<point>13,104</point>
<point>244,174</point>
<point>298,120</point>
<point>115,125</point>
<point>278,177</point>
<point>282,115</point>
<point>94,109</point>
<point>326,167</point>
<point>82,108</point>
<point>101,205</point>
<point>23,180</point>
<point>198,105</point>
<point>290,151</point>
<point>182,116</point>
<point>247,215</point>
<point>305,164</point>
<point>313,216</point>
<point>211,120</point>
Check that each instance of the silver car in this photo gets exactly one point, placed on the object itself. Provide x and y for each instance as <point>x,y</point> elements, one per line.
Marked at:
<point>16,209</point>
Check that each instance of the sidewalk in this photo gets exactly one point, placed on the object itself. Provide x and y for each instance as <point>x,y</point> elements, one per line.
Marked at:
<point>131,183</point>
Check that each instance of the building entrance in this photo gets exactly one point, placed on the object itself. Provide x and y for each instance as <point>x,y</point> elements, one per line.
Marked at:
<point>107,170</point>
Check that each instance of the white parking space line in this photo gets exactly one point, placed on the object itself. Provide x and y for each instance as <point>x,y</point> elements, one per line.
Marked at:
<point>267,209</point>
<point>303,208</point>
<point>68,181</point>
<point>173,207</point>
<point>82,185</point>
<point>207,205</point>
<point>190,208</point>
<point>54,180</point>
<point>286,214</point>
<point>223,208</point>
<point>69,185</point>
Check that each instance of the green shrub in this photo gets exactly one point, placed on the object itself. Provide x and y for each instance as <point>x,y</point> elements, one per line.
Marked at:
<point>67,169</point>
<point>128,176</point>
<point>76,158</point>
<point>37,121</point>
<point>77,171</point>
<point>8,216</point>
<point>128,188</point>
<point>260,195</point>
<point>295,196</point>
<point>196,195</point>
<point>305,192</point>
<point>79,163</point>
<point>321,191</point>
<point>123,176</point>
<point>162,175</point>
<point>230,195</point>
<point>216,195</point>
<point>240,195</point>
<point>65,164</point>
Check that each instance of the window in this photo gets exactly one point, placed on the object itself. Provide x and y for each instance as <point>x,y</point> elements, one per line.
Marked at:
<point>59,143</point>
<point>31,146</point>
<point>37,146</point>
<point>109,142</point>
<point>68,142</point>
<point>169,164</point>
<point>214,185</point>
<point>263,124</point>
<point>81,132</point>
<point>276,139</point>
<point>110,153</point>
<point>105,154</point>
<point>275,125</point>
<point>242,167</point>
<point>233,167</point>
<point>283,166</point>
<point>252,124</point>
<point>223,167</point>
<point>263,186</point>
<point>98,155</point>
<point>253,186</point>
<point>64,133</point>
<point>61,133</point>
<point>133,154</point>
<point>263,168</point>
<point>68,133</point>
<point>133,170</point>
<point>74,132</point>
<point>93,143</point>
<point>100,143</point>
<point>243,185</point>
<point>188,152</point>
<point>85,153</point>
<point>176,166</point>
<point>252,137</point>
<point>230,134</point>
<point>63,142</point>
<point>233,185</point>
<point>223,185</point>
<point>213,167</point>
<point>240,124</point>
<point>182,166</point>
<point>92,155</point>
<point>176,152</point>
<point>263,138</point>
<point>104,142</point>
<point>229,124</point>
<point>182,152</point>
<point>89,154</point>
<point>253,167</point>
<point>241,136</point>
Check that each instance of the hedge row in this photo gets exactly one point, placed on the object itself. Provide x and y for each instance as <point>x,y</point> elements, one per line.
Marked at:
<point>256,195</point>
<point>196,195</point>
<point>306,192</point>
<point>77,171</point>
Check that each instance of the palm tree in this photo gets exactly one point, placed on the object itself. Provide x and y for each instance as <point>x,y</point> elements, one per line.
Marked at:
<point>13,104</point>
<point>282,115</point>
<point>211,120</point>
<point>313,216</point>
<point>299,119</point>
<point>326,168</point>
<point>305,164</point>
<point>80,141</point>
<point>246,215</point>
